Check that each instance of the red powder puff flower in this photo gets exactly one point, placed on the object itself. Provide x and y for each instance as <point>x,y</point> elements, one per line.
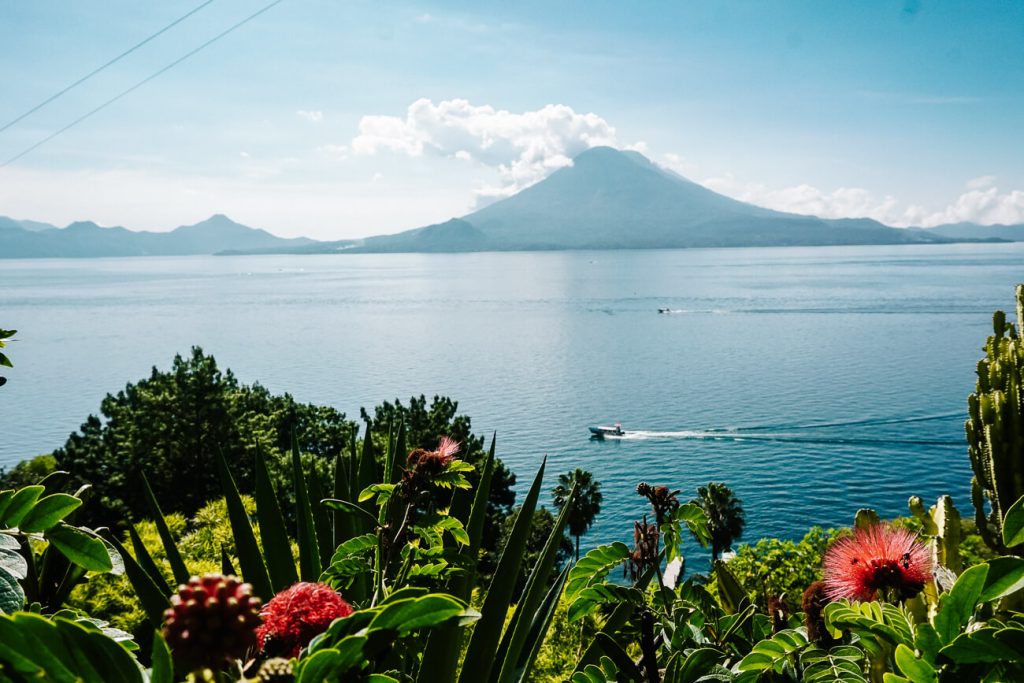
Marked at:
<point>878,559</point>
<point>423,467</point>
<point>296,615</point>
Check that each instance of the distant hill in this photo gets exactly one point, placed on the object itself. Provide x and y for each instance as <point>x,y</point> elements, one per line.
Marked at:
<point>29,239</point>
<point>973,231</point>
<point>611,199</point>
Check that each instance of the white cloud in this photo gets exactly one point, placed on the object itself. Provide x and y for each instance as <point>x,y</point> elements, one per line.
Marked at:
<point>675,162</point>
<point>522,147</point>
<point>311,116</point>
<point>982,206</point>
<point>982,203</point>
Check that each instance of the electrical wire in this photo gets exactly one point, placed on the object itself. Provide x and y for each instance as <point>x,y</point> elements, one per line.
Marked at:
<point>113,61</point>
<point>141,83</point>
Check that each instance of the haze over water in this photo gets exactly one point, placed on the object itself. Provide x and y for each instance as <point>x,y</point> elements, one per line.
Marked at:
<point>814,381</point>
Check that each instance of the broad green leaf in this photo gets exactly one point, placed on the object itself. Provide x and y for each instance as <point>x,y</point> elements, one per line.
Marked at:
<point>109,660</point>
<point>250,559</point>
<point>178,568</point>
<point>957,606</point>
<point>382,492</point>
<point>325,665</point>
<point>1013,524</point>
<point>5,501</point>
<point>277,549</point>
<point>731,592</point>
<point>14,563</point>
<point>698,663</point>
<point>12,597</point>
<point>1005,576</point>
<point>20,505</point>
<point>48,511</point>
<point>983,646</point>
<point>917,670</point>
<point>82,548</point>
<point>405,616</point>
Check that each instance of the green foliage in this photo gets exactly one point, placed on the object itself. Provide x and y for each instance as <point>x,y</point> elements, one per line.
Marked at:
<point>587,503</point>
<point>995,430</point>
<point>66,648</point>
<point>43,553</point>
<point>725,516</point>
<point>781,568</point>
<point>5,338</point>
<point>199,540</point>
<point>425,424</point>
<point>171,425</point>
<point>28,472</point>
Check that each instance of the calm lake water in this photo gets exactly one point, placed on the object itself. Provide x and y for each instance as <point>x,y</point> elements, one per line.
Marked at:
<point>814,381</point>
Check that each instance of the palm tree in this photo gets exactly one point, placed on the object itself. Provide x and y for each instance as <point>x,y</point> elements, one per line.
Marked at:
<point>725,515</point>
<point>585,507</point>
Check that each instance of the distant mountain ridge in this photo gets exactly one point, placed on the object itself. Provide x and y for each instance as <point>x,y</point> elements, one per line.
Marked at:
<point>613,199</point>
<point>607,199</point>
<point>83,239</point>
<point>1013,233</point>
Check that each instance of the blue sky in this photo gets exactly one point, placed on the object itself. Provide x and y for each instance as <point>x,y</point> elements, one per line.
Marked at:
<point>340,119</point>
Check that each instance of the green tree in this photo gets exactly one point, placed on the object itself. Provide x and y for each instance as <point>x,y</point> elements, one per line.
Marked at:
<point>587,505</point>
<point>5,336</point>
<point>169,426</point>
<point>724,511</point>
<point>777,568</point>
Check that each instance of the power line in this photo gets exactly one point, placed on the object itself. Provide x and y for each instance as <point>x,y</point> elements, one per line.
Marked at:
<point>113,61</point>
<point>141,83</point>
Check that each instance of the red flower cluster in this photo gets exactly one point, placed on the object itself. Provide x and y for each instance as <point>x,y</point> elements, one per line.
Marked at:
<point>211,620</point>
<point>296,615</point>
<point>878,559</point>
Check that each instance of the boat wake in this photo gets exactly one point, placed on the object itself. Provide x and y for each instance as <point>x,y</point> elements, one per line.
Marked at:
<point>794,433</point>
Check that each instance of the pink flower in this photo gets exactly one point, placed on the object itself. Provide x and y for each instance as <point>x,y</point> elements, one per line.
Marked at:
<point>296,615</point>
<point>878,559</point>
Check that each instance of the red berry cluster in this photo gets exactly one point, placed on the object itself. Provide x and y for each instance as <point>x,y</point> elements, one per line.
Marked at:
<point>211,621</point>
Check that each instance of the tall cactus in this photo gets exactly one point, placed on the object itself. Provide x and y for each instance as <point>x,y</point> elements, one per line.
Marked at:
<point>995,430</point>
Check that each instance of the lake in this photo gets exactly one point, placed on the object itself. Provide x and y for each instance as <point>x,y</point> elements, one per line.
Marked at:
<point>814,381</point>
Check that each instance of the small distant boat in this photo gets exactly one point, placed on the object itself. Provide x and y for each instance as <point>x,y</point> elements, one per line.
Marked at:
<point>602,432</point>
